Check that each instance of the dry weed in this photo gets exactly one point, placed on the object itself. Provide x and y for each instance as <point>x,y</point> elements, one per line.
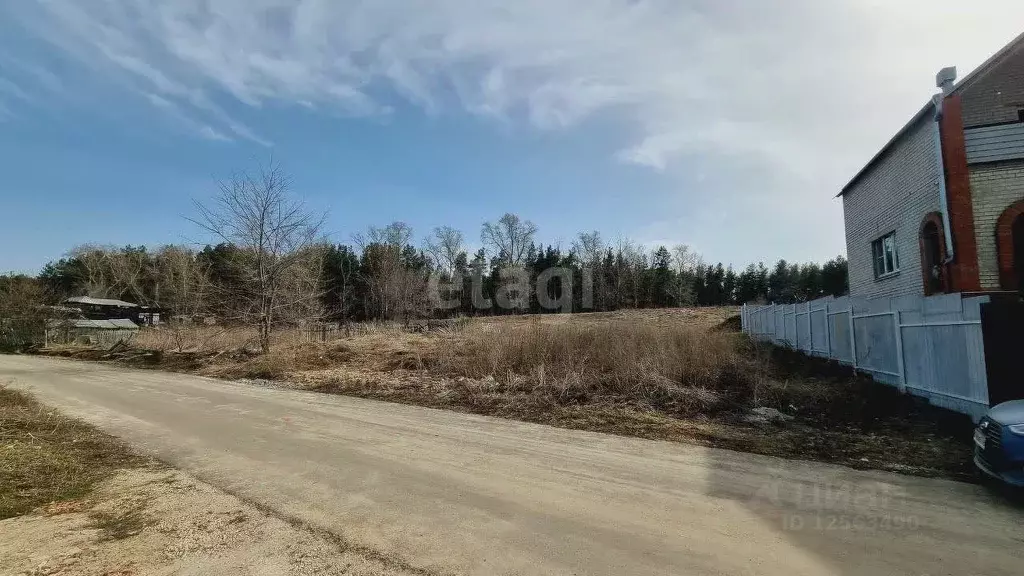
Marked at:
<point>680,368</point>
<point>47,457</point>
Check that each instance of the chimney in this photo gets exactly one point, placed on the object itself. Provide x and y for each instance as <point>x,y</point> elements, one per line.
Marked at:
<point>945,79</point>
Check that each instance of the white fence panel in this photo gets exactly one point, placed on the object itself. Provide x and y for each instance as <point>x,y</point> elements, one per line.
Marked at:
<point>817,324</point>
<point>789,314</point>
<point>839,329</point>
<point>875,338</point>
<point>931,347</point>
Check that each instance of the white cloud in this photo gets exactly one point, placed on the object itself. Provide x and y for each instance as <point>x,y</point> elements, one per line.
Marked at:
<point>801,92</point>
<point>692,76</point>
<point>11,90</point>
<point>211,134</point>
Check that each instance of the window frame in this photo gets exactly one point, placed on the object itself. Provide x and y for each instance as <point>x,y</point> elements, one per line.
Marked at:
<point>885,256</point>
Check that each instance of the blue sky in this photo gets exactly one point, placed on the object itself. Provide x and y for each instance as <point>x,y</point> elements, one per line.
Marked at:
<point>725,125</point>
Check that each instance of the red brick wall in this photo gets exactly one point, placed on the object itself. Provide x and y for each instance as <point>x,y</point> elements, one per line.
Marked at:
<point>963,272</point>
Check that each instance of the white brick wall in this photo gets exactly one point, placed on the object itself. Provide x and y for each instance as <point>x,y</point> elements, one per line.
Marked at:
<point>997,95</point>
<point>895,194</point>
<point>993,188</point>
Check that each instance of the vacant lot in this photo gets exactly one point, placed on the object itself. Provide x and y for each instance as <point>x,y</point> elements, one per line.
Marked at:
<point>683,375</point>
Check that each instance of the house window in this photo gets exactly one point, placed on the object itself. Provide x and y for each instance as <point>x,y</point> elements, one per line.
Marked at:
<point>1020,115</point>
<point>883,251</point>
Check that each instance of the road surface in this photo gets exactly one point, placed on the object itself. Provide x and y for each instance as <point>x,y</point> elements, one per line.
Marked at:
<point>456,493</point>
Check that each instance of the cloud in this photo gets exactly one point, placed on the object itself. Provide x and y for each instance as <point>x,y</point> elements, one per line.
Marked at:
<point>211,134</point>
<point>9,92</point>
<point>785,100</point>
<point>690,76</point>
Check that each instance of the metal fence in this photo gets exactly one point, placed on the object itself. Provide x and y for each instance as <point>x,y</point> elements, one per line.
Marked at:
<point>320,333</point>
<point>930,347</point>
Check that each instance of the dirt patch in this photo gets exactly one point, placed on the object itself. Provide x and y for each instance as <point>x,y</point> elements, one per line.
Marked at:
<point>76,501</point>
<point>921,440</point>
<point>157,521</point>
<point>46,456</point>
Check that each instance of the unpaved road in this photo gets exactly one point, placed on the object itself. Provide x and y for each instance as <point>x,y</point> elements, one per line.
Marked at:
<point>454,493</point>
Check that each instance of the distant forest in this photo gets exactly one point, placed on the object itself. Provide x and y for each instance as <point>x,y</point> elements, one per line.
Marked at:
<point>272,264</point>
<point>379,280</point>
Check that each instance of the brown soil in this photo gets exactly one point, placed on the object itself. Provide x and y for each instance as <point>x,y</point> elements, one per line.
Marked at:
<point>157,521</point>
<point>76,501</point>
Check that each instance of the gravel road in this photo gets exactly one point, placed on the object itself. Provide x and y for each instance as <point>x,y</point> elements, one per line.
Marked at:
<point>454,493</point>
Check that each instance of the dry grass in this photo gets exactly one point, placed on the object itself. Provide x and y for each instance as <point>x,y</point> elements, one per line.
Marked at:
<point>47,457</point>
<point>684,374</point>
<point>118,524</point>
<point>679,369</point>
<point>195,338</point>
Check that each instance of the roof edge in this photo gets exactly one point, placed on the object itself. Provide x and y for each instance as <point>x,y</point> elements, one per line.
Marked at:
<point>929,107</point>
<point>980,71</point>
<point>975,74</point>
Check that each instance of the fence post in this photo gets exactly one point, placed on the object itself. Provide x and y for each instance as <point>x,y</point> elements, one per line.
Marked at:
<point>897,320</point>
<point>828,332</point>
<point>853,337</point>
<point>810,329</point>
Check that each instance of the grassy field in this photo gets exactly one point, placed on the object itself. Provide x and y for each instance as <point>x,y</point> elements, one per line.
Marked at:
<point>678,374</point>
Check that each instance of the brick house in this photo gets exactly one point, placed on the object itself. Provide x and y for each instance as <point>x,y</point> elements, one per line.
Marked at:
<point>941,207</point>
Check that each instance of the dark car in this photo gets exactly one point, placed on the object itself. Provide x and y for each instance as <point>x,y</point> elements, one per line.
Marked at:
<point>999,443</point>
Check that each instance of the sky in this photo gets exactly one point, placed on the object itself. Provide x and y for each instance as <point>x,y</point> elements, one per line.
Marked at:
<point>726,125</point>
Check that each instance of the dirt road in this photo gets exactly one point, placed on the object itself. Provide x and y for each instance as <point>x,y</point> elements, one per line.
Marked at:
<point>454,493</point>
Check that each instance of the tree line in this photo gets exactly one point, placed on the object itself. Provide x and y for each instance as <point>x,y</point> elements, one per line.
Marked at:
<point>272,264</point>
<point>387,280</point>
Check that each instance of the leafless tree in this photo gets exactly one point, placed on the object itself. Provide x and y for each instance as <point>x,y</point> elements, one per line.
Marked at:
<point>181,284</point>
<point>280,261</point>
<point>22,315</point>
<point>397,289</point>
<point>95,265</point>
<point>129,268</point>
<point>444,246</point>
<point>684,262</point>
<point>509,238</point>
<point>588,248</point>
<point>396,234</point>
<point>634,259</point>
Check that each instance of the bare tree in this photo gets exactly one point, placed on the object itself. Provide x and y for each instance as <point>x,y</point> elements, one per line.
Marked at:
<point>181,284</point>
<point>129,269</point>
<point>444,246</point>
<point>589,248</point>
<point>22,315</point>
<point>94,263</point>
<point>280,261</point>
<point>684,263</point>
<point>509,238</point>
<point>396,234</point>
<point>397,287</point>
<point>634,259</point>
